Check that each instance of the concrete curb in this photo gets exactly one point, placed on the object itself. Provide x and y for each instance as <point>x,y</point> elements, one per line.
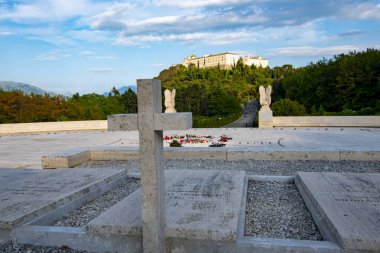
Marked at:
<point>73,157</point>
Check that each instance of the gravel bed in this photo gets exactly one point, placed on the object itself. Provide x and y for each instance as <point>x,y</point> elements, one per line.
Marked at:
<point>84,214</point>
<point>276,210</point>
<point>10,247</point>
<point>258,167</point>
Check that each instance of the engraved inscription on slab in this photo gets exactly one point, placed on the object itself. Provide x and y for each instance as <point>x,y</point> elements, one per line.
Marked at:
<point>203,204</point>
<point>29,195</point>
<point>349,204</point>
<point>200,204</point>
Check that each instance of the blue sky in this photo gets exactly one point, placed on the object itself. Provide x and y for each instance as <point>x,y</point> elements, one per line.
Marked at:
<point>91,45</point>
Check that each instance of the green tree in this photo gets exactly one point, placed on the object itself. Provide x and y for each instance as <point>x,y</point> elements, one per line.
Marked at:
<point>287,107</point>
<point>129,100</point>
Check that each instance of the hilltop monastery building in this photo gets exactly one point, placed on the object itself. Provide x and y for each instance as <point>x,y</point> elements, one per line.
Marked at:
<point>224,61</point>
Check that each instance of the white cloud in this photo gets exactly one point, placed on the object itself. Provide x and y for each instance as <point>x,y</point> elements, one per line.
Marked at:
<point>90,35</point>
<point>93,55</point>
<point>213,22</point>
<point>112,18</point>
<point>37,11</point>
<point>5,33</point>
<point>314,51</point>
<point>87,52</point>
<point>198,38</point>
<point>362,11</point>
<point>53,55</point>
<point>105,57</point>
<point>198,3</point>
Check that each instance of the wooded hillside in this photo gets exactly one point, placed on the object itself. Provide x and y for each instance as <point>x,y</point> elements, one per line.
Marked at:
<point>347,84</point>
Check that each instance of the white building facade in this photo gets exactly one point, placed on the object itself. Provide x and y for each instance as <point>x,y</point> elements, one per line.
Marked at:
<point>224,61</point>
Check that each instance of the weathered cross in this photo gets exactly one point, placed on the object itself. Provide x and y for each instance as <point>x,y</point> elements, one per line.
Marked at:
<point>150,121</point>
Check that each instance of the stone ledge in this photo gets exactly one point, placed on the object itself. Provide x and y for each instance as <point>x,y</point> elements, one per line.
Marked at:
<point>327,121</point>
<point>66,159</point>
<point>73,157</point>
<point>60,126</point>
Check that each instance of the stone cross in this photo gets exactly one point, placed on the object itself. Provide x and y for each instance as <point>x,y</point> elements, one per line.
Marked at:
<point>150,122</point>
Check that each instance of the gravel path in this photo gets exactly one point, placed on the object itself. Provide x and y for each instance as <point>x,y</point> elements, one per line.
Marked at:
<point>10,247</point>
<point>276,210</point>
<point>285,168</point>
<point>81,216</point>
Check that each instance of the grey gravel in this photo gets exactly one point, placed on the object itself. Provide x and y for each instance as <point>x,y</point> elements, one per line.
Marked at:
<point>276,210</point>
<point>89,211</point>
<point>11,247</point>
<point>257,167</point>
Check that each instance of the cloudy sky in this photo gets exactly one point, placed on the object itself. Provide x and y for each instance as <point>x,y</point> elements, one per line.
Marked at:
<point>91,45</point>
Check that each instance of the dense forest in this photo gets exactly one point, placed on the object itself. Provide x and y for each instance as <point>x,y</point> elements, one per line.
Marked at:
<point>16,107</point>
<point>347,84</point>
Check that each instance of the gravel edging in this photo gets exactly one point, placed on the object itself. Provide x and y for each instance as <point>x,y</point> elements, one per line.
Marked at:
<point>257,167</point>
<point>276,210</point>
<point>10,247</point>
<point>89,211</point>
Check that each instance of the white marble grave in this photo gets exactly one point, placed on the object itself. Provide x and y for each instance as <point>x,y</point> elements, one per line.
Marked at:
<point>28,194</point>
<point>345,206</point>
<point>200,205</point>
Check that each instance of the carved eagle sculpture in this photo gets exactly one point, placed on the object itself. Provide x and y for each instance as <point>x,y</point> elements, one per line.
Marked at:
<point>169,100</point>
<point>265,98</point>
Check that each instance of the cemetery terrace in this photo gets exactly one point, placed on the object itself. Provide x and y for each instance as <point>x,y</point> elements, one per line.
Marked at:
<point>315,189</point>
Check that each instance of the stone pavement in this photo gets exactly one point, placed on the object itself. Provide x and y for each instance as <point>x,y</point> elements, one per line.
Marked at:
<point>26,150</point>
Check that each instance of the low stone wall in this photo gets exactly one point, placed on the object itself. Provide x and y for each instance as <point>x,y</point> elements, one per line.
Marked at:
<point>53,126</point>
<point>327,121</point>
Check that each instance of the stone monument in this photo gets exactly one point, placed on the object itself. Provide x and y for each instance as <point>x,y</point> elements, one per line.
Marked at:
<point>265,113</point>
<point>150,121</point>
<point>169,101</point>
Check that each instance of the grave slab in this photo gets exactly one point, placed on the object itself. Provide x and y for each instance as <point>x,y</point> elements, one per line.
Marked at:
<point>345,206</point>
<point>26,195</point>
<point>201,204</point>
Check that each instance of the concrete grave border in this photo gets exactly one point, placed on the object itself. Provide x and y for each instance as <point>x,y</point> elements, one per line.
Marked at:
<point>37,232</point>
<point>90,193</point>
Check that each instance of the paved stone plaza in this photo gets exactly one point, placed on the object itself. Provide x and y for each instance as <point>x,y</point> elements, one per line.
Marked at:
<point>26,150</point>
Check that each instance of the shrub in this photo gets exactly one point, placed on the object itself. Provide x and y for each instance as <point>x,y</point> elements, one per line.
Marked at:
<point>287,107</point>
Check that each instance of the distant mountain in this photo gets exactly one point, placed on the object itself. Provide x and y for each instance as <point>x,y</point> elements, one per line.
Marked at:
<point>122,90</point>
<point>26,88</point>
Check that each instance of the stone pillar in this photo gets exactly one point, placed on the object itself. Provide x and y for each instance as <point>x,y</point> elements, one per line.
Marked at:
<point>151,165</point>
<point>265,117</point>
